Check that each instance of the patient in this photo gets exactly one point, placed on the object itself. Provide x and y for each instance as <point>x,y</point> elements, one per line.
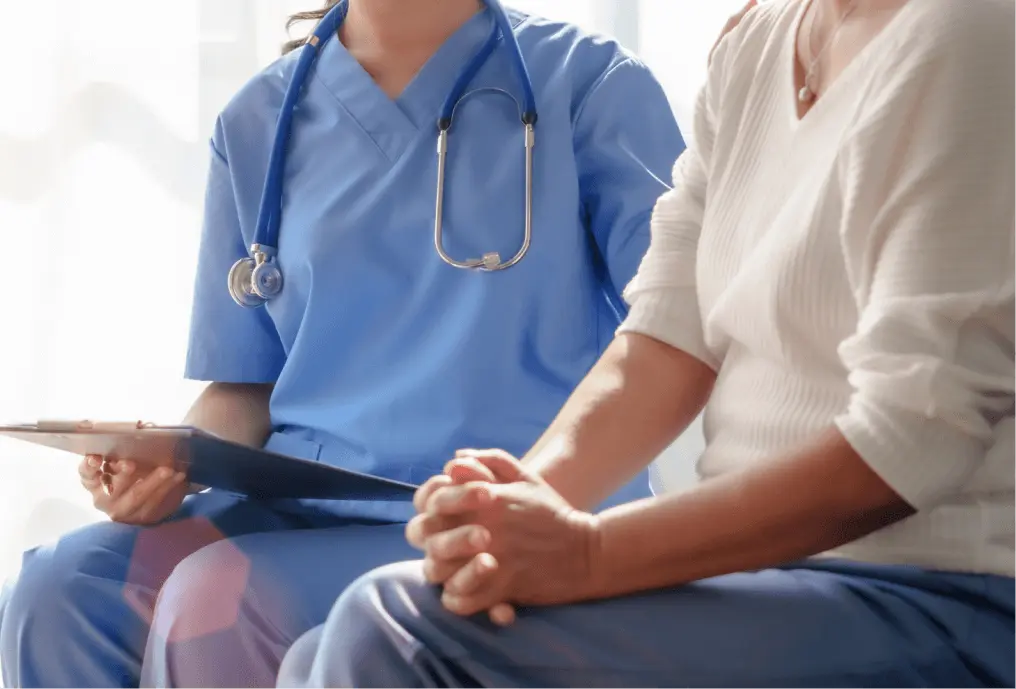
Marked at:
<point>831,280</point>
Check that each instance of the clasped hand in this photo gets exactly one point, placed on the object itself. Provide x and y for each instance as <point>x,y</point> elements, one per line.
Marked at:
<point>495,535</point>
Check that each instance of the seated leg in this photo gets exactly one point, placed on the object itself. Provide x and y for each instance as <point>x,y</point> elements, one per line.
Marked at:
<point>229,613</point>
<point>817,625</point>
<point>79,611</point>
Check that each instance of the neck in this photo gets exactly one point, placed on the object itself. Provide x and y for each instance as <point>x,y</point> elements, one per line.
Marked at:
<point>836,7</point>
<point>400,24</point>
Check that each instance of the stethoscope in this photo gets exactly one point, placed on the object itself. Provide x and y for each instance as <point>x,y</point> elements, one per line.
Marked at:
<point>255,279</point>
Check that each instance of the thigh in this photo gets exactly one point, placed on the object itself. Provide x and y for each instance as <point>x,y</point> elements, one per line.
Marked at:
<point>774,628</point>
<point>109,569</point>
<point>230,612</point>
<point>90,595</point>
<point>294,578</point>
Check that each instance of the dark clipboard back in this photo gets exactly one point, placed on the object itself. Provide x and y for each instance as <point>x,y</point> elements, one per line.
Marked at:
<point>213,462</point>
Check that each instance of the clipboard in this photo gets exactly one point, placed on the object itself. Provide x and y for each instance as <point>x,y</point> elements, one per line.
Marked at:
<point>210,461</point>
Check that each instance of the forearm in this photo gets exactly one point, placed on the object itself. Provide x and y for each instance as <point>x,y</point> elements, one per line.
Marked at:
<point>234,412</point>
<point>639,397</point>
<point>770,514</point>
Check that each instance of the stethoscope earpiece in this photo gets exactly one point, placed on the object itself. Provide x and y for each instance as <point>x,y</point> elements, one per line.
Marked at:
<point>241,284</point>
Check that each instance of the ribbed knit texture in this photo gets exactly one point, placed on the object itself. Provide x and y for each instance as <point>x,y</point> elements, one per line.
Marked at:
<point>854,269</point>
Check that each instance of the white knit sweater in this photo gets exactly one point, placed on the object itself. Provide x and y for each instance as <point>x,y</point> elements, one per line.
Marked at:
<point>854,269</point>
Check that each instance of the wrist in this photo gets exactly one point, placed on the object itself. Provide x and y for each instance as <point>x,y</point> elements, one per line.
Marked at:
<point>592,582</point>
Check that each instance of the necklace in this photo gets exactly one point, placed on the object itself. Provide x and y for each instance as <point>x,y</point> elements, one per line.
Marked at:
<point>808,91</point>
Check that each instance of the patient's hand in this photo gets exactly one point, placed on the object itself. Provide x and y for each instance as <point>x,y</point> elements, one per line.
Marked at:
<point>465,468</point>
<point>514,539</point>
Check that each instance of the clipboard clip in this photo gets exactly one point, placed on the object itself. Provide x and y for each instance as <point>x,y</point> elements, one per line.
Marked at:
<point>85,425</point>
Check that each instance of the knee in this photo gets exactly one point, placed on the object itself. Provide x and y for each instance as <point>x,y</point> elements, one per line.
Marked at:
<point>370,635</point>
<point>62,589</point>
<point>203,595</point>
<point>386,606</point>
<point>57,581</point>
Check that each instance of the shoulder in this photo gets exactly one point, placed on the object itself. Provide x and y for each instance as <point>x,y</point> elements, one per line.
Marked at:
<point>950,60</point>
<point>254,108</point>
<point>547,40</point>
<point>563,55</point>
<point>764,26</point>
<point>972,41</point>
<point>751,52</point>
<point>958,29</point>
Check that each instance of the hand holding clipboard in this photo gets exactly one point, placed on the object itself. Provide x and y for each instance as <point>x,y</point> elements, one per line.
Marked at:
<point>201,458</point>
<point>129,491</point>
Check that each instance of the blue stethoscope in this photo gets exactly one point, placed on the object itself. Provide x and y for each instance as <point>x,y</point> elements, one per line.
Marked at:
<point>255,279</point>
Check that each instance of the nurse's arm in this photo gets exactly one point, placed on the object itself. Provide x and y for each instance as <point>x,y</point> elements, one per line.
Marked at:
<point>237,412</point>
<point>233,411</point>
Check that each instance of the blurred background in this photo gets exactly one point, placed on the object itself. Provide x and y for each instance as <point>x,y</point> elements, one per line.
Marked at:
<point>104,123</point>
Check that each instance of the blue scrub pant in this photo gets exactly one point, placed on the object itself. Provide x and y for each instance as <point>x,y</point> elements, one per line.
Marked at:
<point>213,597</point>
<point>819,624</point>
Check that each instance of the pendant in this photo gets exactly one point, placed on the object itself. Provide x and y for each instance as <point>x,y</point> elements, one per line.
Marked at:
<point>805,95</point>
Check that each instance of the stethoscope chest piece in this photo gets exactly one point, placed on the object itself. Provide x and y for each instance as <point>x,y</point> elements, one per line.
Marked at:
<point>266,280</point>
<point>254,280</point>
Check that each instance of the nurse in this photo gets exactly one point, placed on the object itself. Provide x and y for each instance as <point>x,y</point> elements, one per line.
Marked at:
<point>376,354</point>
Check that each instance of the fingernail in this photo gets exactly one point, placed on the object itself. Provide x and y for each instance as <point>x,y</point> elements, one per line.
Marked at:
<point>94,462</point>
<point>485,562</point>
<point>451,602</point>
<point>127,467</point>
<point>179,477</point>
<point>165,473</point>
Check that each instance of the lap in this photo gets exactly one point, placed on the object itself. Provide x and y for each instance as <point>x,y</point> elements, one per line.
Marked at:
<point>291,578</point>
<point>257,591</point>
<point>201,519</point>
<point>831,624</point>
<point>144,556</point>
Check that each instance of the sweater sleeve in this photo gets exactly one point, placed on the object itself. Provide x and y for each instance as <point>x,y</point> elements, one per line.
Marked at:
<point>663,297</point>
<point>927,236</point>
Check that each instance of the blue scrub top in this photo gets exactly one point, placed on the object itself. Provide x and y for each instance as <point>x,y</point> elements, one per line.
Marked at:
<point>385,359</point>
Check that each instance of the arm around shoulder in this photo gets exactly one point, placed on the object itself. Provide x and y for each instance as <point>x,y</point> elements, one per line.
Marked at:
<point>624,156</point>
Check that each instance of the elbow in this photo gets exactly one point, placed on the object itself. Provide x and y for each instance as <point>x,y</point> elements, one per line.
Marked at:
<point>923,459</point>
<point>234,411</point>
<point>919,419</point>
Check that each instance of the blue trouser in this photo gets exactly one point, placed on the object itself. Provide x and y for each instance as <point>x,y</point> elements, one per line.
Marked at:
<point>213,597</point>
<point>819,624</point>
<point>225,587</point>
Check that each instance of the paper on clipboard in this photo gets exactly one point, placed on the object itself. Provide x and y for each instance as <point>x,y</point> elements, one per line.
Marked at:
<point>211,461</point>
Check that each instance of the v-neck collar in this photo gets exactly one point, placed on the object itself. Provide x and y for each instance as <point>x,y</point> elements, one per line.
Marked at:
<point>394,124</point>
<point>842,80</point>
